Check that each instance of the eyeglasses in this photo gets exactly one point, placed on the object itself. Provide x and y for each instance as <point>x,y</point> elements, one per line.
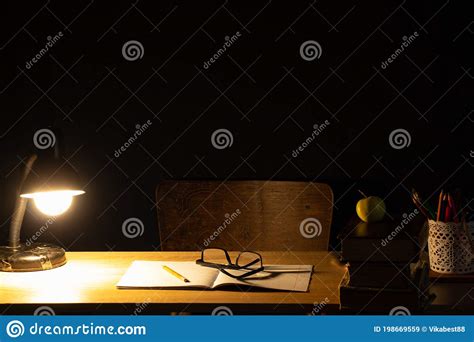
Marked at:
<point>247,262</point>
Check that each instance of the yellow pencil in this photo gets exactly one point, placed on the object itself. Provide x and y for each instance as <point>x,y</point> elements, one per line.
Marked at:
<point>176,274</point>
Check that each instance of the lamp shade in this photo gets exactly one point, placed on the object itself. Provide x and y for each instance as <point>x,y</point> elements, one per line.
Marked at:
<point>51,174</point>
<point>52,186</point>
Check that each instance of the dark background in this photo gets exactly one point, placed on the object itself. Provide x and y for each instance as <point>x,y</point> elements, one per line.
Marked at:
<point>260,89</point>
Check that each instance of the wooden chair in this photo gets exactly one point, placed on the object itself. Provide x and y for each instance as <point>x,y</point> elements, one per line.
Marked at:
<point>244,215</point>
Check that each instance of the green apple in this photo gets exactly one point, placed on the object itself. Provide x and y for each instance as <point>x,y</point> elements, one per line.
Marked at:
<point>371,209</point>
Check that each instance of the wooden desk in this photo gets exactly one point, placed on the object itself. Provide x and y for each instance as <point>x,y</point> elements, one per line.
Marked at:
<point>86,284</point>
<point>454,293</point>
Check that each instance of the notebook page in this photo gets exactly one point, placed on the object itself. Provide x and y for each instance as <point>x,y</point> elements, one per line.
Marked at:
<point>287,281</point>
<point>151,274</point>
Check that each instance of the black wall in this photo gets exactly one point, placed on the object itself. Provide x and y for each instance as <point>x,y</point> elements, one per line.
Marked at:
<point>260,89</point>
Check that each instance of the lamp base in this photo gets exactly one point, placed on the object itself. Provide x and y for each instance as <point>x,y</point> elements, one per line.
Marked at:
<point>35,257</point>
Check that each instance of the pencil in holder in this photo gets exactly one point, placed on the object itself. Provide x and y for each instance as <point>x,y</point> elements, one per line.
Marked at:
<point>450,247</point>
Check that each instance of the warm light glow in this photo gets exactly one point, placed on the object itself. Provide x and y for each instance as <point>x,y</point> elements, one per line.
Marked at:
<point>71,283</point>
<point>53,203</point>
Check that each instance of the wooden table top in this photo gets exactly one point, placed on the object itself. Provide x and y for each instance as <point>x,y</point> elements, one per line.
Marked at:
<point>90,278</point>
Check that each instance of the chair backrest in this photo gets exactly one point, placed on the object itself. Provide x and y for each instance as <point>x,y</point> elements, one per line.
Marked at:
<point>244,215</point>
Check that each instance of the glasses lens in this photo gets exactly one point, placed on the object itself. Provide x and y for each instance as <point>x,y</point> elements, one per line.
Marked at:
<point>214,256</point>
<point>249,260</point>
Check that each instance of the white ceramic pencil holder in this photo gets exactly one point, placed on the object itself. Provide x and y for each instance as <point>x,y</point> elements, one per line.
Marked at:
<point>450,247</point>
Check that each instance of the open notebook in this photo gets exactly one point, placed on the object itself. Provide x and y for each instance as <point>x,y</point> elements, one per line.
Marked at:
<point>150,274</point>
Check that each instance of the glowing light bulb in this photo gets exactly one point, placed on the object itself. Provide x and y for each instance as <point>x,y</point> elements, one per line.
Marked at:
<point>53,203</point>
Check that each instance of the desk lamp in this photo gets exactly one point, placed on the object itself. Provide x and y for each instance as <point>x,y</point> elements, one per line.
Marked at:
<point>52,187</point>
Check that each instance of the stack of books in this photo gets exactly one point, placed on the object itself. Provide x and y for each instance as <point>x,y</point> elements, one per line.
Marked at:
<point>385,270</point>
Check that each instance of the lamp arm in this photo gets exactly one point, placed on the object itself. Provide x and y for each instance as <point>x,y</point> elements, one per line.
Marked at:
<point>20,207</point>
